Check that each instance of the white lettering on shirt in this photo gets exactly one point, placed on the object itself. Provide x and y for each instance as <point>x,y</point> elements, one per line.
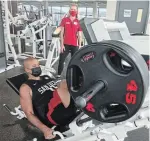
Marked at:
<point>49,86</point>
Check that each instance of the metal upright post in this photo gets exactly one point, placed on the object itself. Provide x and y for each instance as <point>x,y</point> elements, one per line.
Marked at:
<point>45,33</point>
<point>2,43</point>
<point>8,37</point>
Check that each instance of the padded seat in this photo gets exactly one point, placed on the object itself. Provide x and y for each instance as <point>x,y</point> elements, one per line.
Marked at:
<point>15,82</point>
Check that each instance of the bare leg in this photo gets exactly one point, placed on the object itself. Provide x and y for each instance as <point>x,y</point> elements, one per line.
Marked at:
<point>64,93</point>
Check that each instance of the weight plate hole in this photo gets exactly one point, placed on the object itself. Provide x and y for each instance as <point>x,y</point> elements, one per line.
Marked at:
<point>113,111</point>
<point>116,63</point>
<point>76,78</point>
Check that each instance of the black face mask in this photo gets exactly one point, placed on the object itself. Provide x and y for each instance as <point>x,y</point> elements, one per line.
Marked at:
<point>36,71</point>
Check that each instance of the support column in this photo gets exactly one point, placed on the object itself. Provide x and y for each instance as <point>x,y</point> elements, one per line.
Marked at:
<point>95,13</point>
<point>45,8</point>
<point>111,10</point>
<point>2,43</point>
<point>12,5</point>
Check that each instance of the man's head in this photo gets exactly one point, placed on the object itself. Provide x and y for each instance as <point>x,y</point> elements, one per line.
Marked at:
<point>73,10</point>
<point>32,67</point>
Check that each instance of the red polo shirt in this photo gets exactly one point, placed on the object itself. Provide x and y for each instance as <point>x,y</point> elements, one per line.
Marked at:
<point>71,29</point>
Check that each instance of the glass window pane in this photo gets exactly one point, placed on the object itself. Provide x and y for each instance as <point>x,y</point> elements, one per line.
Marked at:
<point>89,12</point>
<point>56,15</point>
<point>62,16</point>
<point>102,12</point>
<point>82,12</point>
<point>64,11</point>
<point>56,9</point>
<point>50,9</point>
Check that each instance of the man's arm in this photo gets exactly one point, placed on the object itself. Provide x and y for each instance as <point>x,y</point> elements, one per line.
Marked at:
<point>80,38</point>
<point>79,35</point>
<point>26,104</point>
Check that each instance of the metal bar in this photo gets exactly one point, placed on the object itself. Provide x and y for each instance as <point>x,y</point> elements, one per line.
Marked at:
<point>8,34</point>
<point>39,40</point>
<point>19,42</point>
<point>34,42</point>
<point>80,122</point>
<point>2,42</point>
<point>44,43</point>
<point>41,29</point>
<point>50,54</point>
<point>81,101</point>
<point>7,108</point>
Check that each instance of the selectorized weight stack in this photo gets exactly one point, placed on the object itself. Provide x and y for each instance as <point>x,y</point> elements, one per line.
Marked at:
<point>108,81</point>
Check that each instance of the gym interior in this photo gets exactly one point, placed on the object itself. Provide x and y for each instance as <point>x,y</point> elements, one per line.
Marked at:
<point>108,77</point>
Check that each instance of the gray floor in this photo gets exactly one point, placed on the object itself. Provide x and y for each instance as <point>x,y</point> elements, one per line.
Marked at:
<point>12,129</point>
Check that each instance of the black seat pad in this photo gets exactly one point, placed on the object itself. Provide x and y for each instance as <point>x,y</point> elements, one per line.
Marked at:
<point>15,82</point>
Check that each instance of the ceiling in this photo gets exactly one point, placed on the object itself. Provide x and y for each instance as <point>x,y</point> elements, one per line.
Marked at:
<point>81,3</point>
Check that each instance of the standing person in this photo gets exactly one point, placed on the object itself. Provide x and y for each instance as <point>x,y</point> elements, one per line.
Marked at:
<point>71,36</point>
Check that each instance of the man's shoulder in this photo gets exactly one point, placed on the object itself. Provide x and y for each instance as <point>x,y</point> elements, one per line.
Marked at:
<point>24,87</point>
<point>65,19</point>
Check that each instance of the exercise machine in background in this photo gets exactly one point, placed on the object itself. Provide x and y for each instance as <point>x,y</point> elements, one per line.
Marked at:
<point>31,36</point>
<point>113,30</point>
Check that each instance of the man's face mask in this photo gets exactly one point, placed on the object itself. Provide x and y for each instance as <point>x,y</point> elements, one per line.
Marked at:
<point>73,13</point>
<point>36,71</point>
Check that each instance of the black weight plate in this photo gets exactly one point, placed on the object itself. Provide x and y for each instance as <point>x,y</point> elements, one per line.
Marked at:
<point>142,65</point>
<point>125,85</point>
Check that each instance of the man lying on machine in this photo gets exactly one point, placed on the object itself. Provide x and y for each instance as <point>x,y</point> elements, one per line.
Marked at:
<point>43,101</point>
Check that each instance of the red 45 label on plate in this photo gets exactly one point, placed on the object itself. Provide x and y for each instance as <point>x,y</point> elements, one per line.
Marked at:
<point>90,107</point>
<point>130,98</point>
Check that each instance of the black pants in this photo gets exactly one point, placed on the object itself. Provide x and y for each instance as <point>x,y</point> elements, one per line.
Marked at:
<point>68,49</point>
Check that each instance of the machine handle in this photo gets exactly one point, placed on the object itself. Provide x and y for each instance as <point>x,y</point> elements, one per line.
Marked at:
<point>7,108</point>
<point>59,134</point>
